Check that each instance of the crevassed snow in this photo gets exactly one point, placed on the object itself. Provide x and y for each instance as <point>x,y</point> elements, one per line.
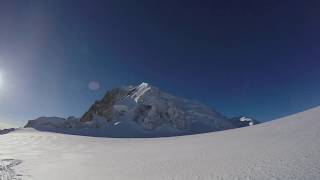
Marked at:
<point>284,149</point>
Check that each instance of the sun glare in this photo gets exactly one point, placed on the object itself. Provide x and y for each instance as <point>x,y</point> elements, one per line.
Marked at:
<point>1,80</point>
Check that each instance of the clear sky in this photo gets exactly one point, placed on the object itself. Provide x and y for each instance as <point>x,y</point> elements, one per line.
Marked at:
<point>254,58</point>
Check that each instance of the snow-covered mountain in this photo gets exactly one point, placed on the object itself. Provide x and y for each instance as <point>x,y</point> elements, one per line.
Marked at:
<point>141,111</point>
<point>243,121</point>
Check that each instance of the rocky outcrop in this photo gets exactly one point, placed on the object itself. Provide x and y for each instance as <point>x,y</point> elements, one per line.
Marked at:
<point>104,108</point>
<point>6,131</point>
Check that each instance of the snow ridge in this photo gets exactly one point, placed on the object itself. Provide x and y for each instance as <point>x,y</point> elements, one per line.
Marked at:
<point>140,90</point>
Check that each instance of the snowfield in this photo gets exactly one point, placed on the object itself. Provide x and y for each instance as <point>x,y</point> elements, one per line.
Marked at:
<point>287,148</point>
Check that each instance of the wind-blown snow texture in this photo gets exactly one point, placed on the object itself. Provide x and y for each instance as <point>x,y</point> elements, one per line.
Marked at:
<point>286,149</point>
<point>141,111</point>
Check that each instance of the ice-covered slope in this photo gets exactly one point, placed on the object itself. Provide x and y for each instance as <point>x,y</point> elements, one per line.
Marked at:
<point>286,149</point>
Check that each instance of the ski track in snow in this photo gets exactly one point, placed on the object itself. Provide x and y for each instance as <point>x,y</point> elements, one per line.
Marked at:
<point>285,149</point>
<point>6,169</point>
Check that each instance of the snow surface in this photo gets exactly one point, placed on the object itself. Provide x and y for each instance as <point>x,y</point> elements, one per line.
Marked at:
<point>286,149</point>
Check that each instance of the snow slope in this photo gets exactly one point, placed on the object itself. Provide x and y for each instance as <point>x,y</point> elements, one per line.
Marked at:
<point>286,149</point>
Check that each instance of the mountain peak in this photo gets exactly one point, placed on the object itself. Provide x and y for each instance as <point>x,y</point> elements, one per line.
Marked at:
<point>243,121</point>
<point>144,111</point>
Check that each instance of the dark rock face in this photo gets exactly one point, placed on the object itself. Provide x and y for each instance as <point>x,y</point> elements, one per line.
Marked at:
<point>104,108</point>
<point>6,131</point>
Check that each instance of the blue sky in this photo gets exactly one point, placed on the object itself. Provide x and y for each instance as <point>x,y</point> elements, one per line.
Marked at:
<point>259,59</point>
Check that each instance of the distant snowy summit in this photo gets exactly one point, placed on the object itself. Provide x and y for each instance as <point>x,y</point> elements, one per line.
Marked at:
<point>244,121</point>
<point>142,111</point>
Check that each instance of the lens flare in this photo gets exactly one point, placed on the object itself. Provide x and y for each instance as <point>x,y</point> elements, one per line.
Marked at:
<point>94,85</point>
